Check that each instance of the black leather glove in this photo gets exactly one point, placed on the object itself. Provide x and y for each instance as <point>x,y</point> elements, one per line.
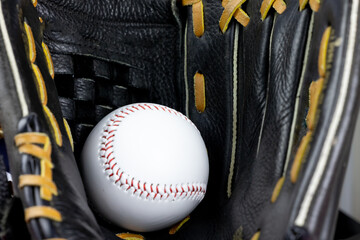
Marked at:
<point>273,87</point>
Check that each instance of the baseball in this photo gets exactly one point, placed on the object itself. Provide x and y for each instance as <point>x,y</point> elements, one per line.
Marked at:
<point>145,167</point>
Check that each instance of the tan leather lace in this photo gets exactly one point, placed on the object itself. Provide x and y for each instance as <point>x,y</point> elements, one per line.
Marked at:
<point>197,14</point>
<point>232,8</point>
<point>38,145</point>
<point>314,4</point>
<point>278,5</point>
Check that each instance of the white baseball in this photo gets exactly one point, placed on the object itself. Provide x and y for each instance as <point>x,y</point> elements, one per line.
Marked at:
<point>145,167</point>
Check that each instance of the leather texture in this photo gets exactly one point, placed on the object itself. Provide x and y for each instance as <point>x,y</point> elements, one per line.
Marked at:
<point>98,45</point>
<point>257,78</point>
<point>25,102</point>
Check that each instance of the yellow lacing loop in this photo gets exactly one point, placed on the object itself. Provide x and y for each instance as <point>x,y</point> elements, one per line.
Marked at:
<point>54,125</point>
<point>315,93</point>
<point>277,189</point>
<point>177,227</point>
<point>40,83</point>
<point>314,4</point>
<point>299,156</point>
<point>37,145</point>
<point>232,9</point>
<point>197,14</point>
<point>323,52</point>
<point>68,131</point>
<point>130,236</point>
<point>199,92</point>
<point>34,2</point>
<point>49,61</point>
<point>278,5</point>
<point>42,212</point>
<point>28,143</point>
<point>38,181</point>
<point>256,236</point>
<point>31,43</point>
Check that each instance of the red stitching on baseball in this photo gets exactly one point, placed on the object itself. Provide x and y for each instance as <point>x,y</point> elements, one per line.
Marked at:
<point>148,106</point>
<point>113,166</point>
<point>194,189</point>
<point>108,143</point>
<point>119,116</point>
<point>111,160</point>
<point>106,148</point>
<point>110,137</point>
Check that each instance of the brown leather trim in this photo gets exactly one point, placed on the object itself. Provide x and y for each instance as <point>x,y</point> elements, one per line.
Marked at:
<point>36,180</point>
<point>277,189</point>
<point>300,154</point>
<point>323,52</point>
<point>199,91</point>
<point>42,212</point>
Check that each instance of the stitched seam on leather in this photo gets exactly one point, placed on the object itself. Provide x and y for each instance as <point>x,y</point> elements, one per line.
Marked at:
<point>194,191</point>
<point>267,90</point>
<point>185,70</point>
<point>234,113</point>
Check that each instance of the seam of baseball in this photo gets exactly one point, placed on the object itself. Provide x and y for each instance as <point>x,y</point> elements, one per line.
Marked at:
<point>194,191</point>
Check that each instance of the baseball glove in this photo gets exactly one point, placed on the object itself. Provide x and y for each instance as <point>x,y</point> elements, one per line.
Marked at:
<point>272,85</point>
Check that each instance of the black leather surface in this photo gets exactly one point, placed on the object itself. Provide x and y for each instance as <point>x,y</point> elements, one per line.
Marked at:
<point>269,64</point>
<point>71,200</point>
<point>129,52</point>
<point>108,54</point>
